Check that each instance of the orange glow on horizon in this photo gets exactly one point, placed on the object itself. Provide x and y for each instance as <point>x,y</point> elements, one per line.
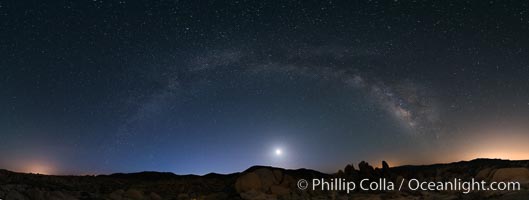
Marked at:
<point>39,169</point>
<point>508,143</point>
<point>508,155</point>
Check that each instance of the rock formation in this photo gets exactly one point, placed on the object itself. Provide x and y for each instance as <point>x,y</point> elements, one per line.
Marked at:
<point>261,182</point>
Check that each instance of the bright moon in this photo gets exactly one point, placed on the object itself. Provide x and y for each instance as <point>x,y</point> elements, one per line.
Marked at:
<point>278,152</point>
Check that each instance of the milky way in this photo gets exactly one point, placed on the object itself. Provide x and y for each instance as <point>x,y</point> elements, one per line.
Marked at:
<point>404,100</point>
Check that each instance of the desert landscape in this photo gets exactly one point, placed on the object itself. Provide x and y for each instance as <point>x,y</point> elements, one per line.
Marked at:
<point>262,182</point>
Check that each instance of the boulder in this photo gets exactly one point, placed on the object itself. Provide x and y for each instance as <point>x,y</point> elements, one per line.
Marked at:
<point>519,174</point>
<point>364,167</point>
<point>385,165</point>
<point>278,176</point>
<point>484,174</point>
<point>340,173</point>
<point>259,180</point>
<point>349,169</point>
<point>366,170</point>
<point>385,171</point>
<point>267,178</point>
<point>288,181</point>
<point>350,172</point>
<point>247,182</point>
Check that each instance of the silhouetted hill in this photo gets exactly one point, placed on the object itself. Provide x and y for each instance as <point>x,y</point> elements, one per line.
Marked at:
<point>264,182</point>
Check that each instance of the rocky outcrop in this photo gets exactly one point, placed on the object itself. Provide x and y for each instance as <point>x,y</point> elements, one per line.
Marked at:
<point>485,174</point>
<point>261,182</point>
<point>349,173</point>
<point>264,183</point>
<point>366,170</point>
<point>511,174</point>
<point>247,182</point>
<point>386,172</point>
<point>385,165</point>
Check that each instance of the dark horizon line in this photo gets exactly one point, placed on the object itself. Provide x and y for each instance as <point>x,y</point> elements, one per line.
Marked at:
<point>249,168</point>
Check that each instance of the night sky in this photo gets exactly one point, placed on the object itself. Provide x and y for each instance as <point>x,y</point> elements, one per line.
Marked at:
<point>89,87</point>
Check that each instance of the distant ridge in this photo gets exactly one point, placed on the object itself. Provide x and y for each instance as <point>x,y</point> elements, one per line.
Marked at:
<point>260,182</point>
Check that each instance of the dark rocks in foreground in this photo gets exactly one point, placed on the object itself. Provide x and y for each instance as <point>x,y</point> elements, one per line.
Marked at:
<point>261,182</point>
